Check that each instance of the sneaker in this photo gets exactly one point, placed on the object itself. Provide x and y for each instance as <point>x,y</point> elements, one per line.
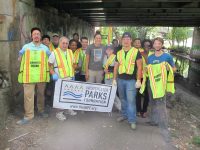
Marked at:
<point>60,116</point>
<point>71,112</point>
<point>23,121</point>
<point>120,119</point>
<point>43,115</point>
<point>133,126</point>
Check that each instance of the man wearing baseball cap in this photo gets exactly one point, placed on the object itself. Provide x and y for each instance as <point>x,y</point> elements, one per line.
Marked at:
<point>55,40</point>
<point>128,66</point>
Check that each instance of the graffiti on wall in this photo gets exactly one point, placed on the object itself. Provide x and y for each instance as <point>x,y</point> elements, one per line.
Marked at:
<point>36,19</point>
<point>4,79</point>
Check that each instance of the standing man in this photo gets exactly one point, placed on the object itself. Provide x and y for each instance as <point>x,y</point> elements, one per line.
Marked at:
<point>80,58</point>
<point>34,72</point>
<point>55,40</point>
<point>61,67</point>
<point>129,67</point>
<point>94,60</point>
<point>158,85</point>
<point>160,71</point>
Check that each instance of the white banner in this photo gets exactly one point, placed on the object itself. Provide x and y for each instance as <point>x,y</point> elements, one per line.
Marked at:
<point>85,96</point>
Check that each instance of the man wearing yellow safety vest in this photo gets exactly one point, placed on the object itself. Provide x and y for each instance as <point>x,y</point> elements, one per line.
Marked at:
<point>160,70</point>
<point>55,40</point>
<point>80,59</point>
<point>61,63</point>
<point>129,68</point>
<point>34,72</point>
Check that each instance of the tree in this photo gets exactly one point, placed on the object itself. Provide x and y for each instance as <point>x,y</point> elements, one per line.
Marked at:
<point>178,34</point>
<point>136,32</point>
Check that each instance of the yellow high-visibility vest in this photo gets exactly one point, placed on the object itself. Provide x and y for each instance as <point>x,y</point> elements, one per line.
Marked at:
<point>109,61</point>
<point>79,54</point>
<point>141,50</point>
<point>64,62</point>
<point>127,64</point>
<point>51,47</point>
<point>160,82</point>
<point>34,67</point>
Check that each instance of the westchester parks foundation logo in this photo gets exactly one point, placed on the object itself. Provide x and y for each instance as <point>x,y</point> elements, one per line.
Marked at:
<point>73,91</point>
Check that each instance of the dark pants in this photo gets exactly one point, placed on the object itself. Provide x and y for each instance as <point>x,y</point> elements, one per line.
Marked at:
<point>158,114</point>
<point>142,106</point>
<point>79,77</point>
<point>49,93</point>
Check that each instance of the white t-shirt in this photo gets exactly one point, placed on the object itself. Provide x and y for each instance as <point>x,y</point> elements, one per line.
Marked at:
<point>52,60</point>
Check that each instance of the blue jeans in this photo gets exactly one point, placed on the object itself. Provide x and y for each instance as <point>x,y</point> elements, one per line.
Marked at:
<point>127,95</point>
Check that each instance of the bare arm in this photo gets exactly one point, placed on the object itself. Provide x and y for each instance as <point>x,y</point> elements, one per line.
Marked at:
<point>51,68</point>
<point>20,58</point>
<point>115,70</point>
<point>87,67</point>
<point>139,69</point>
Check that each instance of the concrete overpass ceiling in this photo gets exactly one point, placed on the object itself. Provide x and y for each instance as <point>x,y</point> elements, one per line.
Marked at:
<point>130,12</point>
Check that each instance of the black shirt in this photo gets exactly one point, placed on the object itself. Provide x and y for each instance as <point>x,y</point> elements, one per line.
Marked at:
<point>128,76</point>
<point>116,49</point>
<point>79,45</point>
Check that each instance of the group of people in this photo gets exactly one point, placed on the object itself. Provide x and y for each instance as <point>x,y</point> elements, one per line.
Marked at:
<point>139,69</point>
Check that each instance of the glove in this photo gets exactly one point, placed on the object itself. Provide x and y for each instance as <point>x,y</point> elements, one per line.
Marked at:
<point>138,84</point>
<point>114,83</point>
<point>55,77</point>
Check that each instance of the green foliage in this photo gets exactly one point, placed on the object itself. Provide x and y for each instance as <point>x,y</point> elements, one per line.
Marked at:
<point>196,140</point>
<point>179,49</point>
<point>136,32</point>
<point>178,34</point>
<point>196,47</point>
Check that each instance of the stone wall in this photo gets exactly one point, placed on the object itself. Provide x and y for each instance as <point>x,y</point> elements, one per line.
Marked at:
<point>17,17</point>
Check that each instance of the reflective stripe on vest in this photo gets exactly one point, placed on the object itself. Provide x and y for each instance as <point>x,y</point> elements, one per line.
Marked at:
<point>170,80</point>
<point>107,64</point>
<point>51,47</point>
<point>83,59</point>
<point>34,67</point>
<point>160,83</point>
<point>127,64</point>
<point>77,55</point>
<point>64,62</point>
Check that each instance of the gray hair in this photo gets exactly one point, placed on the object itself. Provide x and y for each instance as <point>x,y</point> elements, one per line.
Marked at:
<point>62,38</point>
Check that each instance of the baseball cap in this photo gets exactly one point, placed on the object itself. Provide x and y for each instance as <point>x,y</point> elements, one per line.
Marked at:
<point>55,34</point>
<point>126,34</point>
<point>109,46</point>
